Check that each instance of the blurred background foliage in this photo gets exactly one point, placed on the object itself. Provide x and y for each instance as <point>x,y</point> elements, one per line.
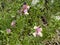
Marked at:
<point>22,32</point>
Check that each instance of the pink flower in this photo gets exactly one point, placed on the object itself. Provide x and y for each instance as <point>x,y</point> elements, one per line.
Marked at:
<point>38,31</point>
<point>13,23</point>
<point>8,31</point>
<point>25,9</point>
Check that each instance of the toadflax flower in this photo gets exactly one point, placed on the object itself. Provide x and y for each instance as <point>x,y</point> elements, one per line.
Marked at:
<point>38,31</point>
<point>13,23</point>
<point>8,31</point>
<point>25,8</point>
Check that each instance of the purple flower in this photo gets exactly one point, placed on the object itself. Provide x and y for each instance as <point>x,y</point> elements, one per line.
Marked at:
<point>25,9</point>
<point>38,31</point>
<point>8,31</point>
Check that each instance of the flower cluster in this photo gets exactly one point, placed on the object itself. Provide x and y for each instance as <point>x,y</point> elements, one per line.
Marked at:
<point>13,23</point>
